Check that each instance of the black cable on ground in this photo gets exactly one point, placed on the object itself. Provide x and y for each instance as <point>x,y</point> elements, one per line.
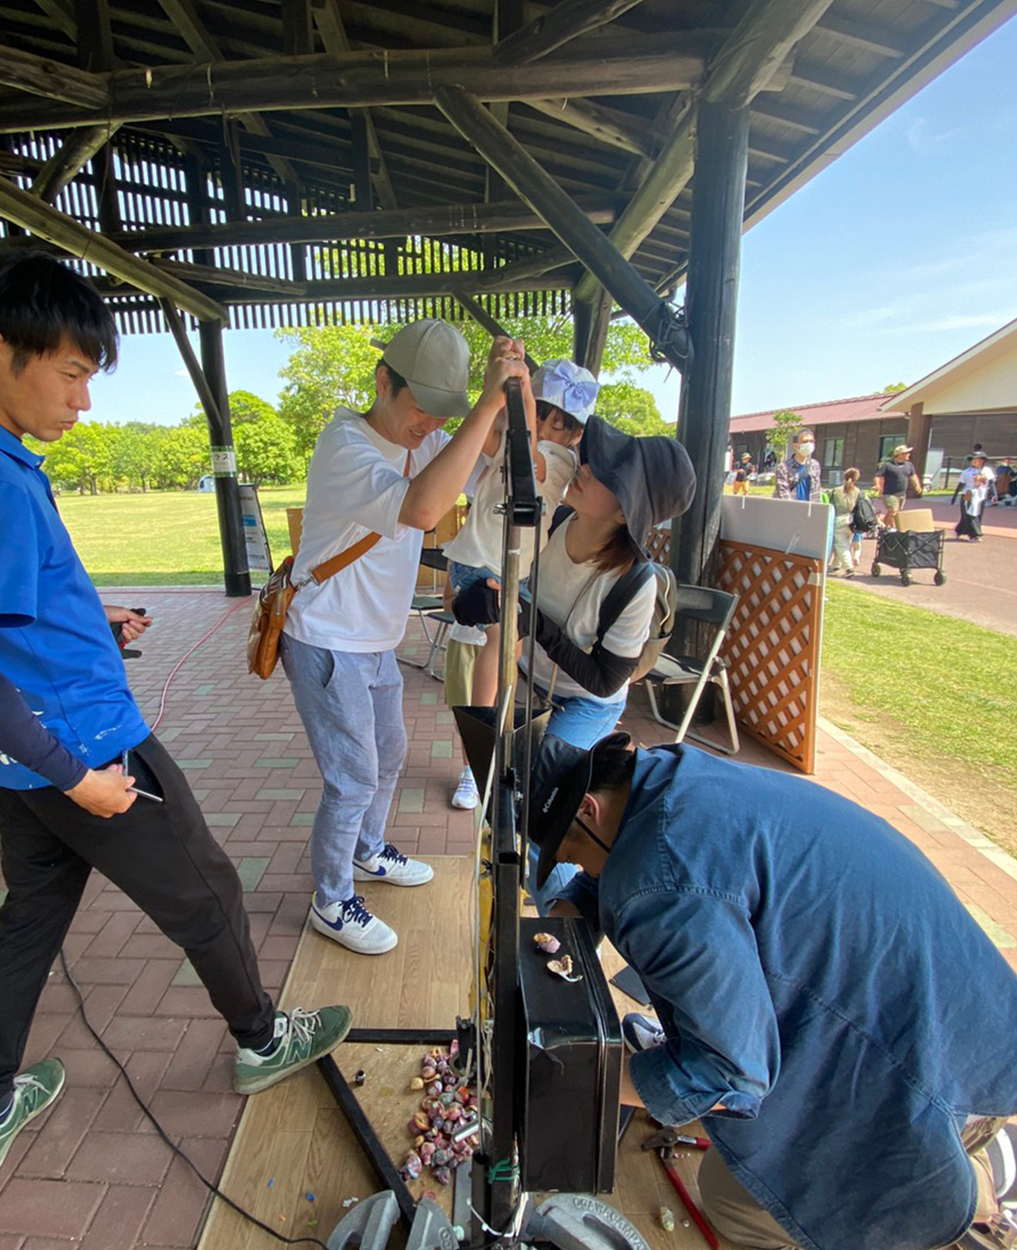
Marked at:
<point>209,1185</point>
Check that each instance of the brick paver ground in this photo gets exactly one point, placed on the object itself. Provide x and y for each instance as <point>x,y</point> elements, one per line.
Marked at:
<point>92,1173</point>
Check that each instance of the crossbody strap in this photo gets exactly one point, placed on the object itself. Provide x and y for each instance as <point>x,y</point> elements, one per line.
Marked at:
<point>329,568</point>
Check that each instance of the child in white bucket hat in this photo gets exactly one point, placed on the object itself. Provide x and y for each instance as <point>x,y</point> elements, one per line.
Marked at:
<point>566,394</point>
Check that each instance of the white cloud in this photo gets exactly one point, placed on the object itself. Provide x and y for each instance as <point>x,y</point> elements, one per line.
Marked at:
<point>920,140</point>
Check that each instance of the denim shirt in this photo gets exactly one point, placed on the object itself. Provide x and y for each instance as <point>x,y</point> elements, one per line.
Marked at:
<point>818,977</point>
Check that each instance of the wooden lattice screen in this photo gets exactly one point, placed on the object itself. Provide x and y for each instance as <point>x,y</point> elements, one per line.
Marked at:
<point>772,648</point>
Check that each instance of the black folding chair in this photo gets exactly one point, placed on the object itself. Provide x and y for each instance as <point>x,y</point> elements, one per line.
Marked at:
<point>705,607</point>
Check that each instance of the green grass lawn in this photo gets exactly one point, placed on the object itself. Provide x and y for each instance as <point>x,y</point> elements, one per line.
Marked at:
<point>163,537</point>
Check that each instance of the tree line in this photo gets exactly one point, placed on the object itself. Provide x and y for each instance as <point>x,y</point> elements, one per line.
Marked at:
<point>328,366</point>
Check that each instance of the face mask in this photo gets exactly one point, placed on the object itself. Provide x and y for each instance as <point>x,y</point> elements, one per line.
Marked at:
<point>806,449</point>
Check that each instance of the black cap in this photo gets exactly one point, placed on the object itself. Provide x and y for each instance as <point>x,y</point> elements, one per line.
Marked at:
<point>652,478</point>
<point>561,775</point>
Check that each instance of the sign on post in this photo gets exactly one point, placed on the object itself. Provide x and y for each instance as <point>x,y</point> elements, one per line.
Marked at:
<point>259,557</point>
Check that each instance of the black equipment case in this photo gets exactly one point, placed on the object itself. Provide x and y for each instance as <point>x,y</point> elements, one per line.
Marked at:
<point>573,1062</point>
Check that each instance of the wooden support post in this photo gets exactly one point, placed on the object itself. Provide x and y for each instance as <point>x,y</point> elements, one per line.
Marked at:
<point>919,430</point>
<point>483,318</point>
<point>210,383</point>
<point>534,185</point>
<point>298,32</point>
<point>714,257</point>
<point>362,196</point>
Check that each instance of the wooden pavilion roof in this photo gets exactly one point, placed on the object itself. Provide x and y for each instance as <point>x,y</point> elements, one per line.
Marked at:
<point>286,159</point>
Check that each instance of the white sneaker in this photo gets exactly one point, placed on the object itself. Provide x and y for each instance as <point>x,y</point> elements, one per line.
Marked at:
<point>392,867</point>
<point>641,1032</point>
<point>466,796</point>
<point>353,926</point>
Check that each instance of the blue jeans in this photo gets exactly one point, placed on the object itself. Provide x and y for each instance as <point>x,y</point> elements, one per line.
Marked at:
<point>581,722</point>
<point>351,704</point>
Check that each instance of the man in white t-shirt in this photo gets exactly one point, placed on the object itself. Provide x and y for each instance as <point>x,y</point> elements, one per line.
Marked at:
<point>388,474</point>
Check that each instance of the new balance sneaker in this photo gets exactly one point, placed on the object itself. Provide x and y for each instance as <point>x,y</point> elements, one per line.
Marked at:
<point>300,1038</point>
<point>34,1090</point>
<point>465,796</point>
<point>392,867</point>
<point>641,1032</point>
<point>353,926</point>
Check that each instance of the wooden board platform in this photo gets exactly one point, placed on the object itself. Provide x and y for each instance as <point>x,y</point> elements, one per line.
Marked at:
<point>293,1141</point>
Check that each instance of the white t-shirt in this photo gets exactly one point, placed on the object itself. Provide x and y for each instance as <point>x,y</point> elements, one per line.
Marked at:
<point>479,543</point>
<point>571,595</point>
<point>355,486</point>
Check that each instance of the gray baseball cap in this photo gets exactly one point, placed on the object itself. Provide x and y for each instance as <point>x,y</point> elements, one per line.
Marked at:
<point>434,358</point>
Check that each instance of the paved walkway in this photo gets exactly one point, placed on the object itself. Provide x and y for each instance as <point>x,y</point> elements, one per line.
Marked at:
<point>981,578</point>
<point>91,1173</point>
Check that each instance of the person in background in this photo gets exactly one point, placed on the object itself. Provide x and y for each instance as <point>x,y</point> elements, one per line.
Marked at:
<point>75,751</point>
<point>893,478</point>
<point>799,476</point>
<point>744,470</point>
<point>565,395</point>
<point>379,478</point>
<point>844,498</point>
<point>974,487</point>
<point>828,1008</point>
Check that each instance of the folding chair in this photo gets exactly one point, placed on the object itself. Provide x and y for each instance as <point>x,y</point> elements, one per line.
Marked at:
<point>702,606</point>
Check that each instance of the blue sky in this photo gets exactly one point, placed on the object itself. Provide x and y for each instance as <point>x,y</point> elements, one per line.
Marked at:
<point>900,255</point>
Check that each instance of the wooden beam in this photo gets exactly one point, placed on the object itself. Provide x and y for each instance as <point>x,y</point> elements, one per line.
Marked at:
<point>48,223</point>
<point>76,151</point>
<point>53,79</point>
<point>605,124</point>
<point>590,324</point>
<point>358,80</point>
<point>411,286</point>
<point>219,275</point>
<point>484,319</point>
<point>332,30</point>
<point>529,267</point>
<point>445,219</point>
<point>567,20</point>
<point>750,55</point>
<point>544,195</point>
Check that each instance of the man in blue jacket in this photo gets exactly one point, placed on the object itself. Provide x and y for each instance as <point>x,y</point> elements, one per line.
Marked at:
<point>845,1030</point>
<point>73,744</point>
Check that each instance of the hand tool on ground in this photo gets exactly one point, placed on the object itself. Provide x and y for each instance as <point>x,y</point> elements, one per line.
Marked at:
<point>695,1214</point>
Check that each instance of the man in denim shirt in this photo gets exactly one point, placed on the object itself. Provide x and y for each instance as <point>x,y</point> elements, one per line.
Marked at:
<point>830,1010</point>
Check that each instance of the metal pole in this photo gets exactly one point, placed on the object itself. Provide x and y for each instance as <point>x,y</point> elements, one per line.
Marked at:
<point>711,303</point>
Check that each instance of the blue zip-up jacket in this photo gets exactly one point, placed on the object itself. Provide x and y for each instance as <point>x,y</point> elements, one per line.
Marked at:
<point>817,975</point>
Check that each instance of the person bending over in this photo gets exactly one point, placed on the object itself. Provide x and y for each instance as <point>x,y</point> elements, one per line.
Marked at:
<point>828,1008</point>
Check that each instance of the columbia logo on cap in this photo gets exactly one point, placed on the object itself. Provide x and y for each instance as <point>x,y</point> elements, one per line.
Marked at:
<point>550,799</point>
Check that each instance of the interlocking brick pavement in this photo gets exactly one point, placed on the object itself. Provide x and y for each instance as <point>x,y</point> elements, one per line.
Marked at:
<point>92,1173</point>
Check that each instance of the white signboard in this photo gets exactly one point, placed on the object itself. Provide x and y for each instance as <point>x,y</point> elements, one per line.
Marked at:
<point>259,557</point>
<point>785,525</point>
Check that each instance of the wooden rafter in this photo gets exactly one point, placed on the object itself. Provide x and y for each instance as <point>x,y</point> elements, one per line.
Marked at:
<point>445,219</point>
<point>605,124</point>
<point>52,79</point>
<point>566,21</point>
<point>48,223</point>
<point>361,80</point>
<point>755,49</point>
